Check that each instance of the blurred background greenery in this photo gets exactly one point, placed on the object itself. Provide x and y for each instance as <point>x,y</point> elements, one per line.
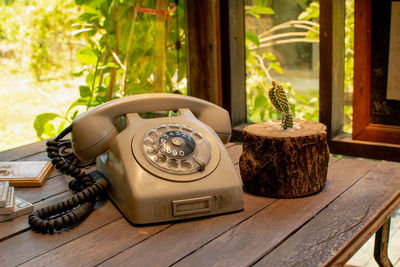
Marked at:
<point>59,58</point>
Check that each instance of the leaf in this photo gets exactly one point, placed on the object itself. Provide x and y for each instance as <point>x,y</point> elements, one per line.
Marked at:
<point>83,101</point>
<point>41,122</point>
<point>253,38</point>
<point>88,16</point>
<point>181,70</point>
<point>74,115</point>
<point>261,10</point>
<point>109,65</point>
<point>268,55</point>
<point>247,52</point>
<point>84,91</point>
<point>311,12</point>
<point>61,126</point>
<point>79,72</point>
<point>86,56</point>
<point>260,102</point>
<point>77,32</point>
<point>89,78</point>
<point>276,66</point>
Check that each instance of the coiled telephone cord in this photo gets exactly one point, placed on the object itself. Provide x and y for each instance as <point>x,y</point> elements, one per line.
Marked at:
<point>87,185</point>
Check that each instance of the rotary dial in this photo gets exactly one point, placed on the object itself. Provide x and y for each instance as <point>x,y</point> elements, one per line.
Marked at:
<point>176,148</point>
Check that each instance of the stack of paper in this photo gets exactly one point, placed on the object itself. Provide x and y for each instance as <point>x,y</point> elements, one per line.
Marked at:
<point>10,205</point>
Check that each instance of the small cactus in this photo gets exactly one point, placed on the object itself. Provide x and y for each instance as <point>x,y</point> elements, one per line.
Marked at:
<point>280,101</point>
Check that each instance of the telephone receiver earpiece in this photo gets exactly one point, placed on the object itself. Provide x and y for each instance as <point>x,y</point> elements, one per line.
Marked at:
<point>93,131</point>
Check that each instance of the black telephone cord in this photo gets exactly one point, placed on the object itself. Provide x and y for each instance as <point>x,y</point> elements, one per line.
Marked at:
<point>87,185</point>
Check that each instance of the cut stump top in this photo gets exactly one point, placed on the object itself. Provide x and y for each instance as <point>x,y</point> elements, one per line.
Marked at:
<point>272,129</point>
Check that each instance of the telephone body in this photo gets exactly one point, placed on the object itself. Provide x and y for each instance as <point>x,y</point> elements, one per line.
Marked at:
<point>162,169</point>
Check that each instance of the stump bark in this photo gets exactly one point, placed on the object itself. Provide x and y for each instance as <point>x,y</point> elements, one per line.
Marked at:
<point>284,164</point>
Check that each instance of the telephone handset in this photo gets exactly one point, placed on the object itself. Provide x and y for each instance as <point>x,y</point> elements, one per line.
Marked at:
<point>94,131</point>
<point>158,169</point>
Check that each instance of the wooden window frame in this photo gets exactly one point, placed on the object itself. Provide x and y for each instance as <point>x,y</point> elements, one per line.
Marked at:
<point>363,129</point>
<point>228,25</point>
<point>332,14</point>
<point>216,69</point>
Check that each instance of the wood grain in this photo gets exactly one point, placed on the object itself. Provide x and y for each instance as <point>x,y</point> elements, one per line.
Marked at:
<point>167,243</point>
<point>242,238</point>
<point>233,62</point>
<point>331,76</point>
<point>183,238</point>
<point>204,50</point>
<point>28,245</point>
<point>365,149</point>
<point>284,164</point>
<point>51,187</point>
<point>362,65</point>
<point>20,224</point>
<point>97,246</point>
<point>22,151</point>
<point>255,237</point>
<point>342,224</point>
<point>25,173</point>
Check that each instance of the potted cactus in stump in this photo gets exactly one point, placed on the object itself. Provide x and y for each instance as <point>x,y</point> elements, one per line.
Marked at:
<point>287,158</point>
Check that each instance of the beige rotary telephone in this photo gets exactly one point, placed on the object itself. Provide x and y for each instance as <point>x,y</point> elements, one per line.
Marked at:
<point>161,169</point>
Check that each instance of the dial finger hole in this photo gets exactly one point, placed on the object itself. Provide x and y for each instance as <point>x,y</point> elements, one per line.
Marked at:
<point>160,158</point>
<point>152,151</point>
<point>172,163</point>
<point>153,134</point>
<point>174,127</point>
<point>187,129</point>
<point>149,142</point>
<point>186,165</point>
<point>162,129</point>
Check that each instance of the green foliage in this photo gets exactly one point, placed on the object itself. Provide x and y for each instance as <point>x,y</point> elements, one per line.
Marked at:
<point>127,52</point>
<point>256,11</point>
<point>311,12</point>
<point>36,31</point>
<point>349,65</point>
<point>260,65</point>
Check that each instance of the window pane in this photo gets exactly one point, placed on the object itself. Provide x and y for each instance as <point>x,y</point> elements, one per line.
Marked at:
<point>282,44</point>
<point>61,57</point>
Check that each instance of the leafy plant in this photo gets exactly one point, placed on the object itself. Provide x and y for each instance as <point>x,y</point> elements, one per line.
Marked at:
<point>132,47</point>
<point>259,65</point>
<point>36,34</point>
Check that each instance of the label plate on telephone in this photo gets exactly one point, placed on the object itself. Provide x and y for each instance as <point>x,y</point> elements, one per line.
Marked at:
<point>191,206</point>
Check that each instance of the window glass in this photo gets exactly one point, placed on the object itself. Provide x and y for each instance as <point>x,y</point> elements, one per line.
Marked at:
<point>282,44</point>
<point>61,57</point>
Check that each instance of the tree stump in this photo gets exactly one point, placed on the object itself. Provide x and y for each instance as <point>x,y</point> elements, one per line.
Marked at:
<point>284,164</point>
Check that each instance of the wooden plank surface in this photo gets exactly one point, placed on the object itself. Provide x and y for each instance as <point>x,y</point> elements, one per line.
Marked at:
<point>22,151</point>
<point>252,239</point>
<point>326,237</point>
<point>184,238</point>
<point>265,228</point>
<point>29,244</point>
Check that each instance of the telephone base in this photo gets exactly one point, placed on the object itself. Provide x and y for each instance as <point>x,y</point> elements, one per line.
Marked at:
<point>147,192</point>
<point>162,201</point>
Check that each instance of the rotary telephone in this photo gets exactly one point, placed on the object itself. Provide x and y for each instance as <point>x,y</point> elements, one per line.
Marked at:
<point>158,169</point>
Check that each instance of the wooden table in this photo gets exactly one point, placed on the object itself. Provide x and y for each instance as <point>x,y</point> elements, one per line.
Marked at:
<point>324,229</point>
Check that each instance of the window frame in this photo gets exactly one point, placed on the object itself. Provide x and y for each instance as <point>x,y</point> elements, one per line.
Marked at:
<point>230,92</point>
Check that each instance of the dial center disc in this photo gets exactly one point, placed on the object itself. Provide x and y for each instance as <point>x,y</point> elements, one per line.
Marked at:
<point>176,143</point>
